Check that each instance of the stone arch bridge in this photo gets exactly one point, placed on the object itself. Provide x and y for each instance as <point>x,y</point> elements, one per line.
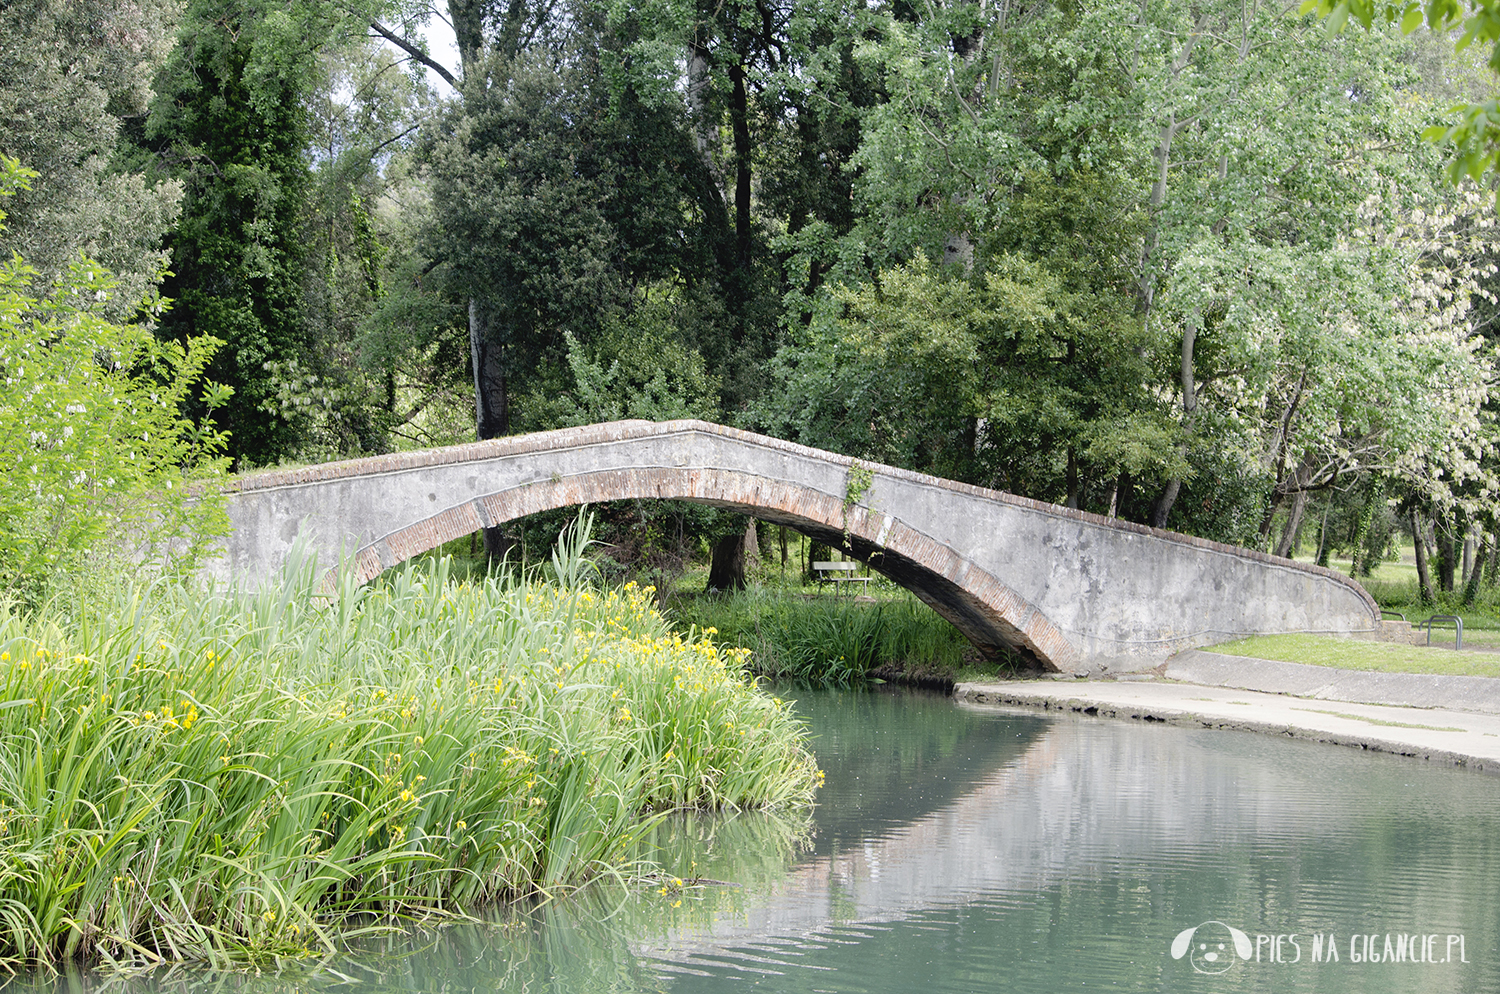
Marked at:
<point>1064,589</point>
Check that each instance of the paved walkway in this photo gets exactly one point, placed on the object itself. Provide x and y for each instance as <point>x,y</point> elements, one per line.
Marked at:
<point>1447,735</point>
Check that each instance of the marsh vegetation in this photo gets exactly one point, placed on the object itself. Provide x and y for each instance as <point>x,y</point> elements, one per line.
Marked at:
<point>225,776</point>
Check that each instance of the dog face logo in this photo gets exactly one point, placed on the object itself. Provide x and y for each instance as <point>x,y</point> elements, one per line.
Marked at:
<point>1212,947</point>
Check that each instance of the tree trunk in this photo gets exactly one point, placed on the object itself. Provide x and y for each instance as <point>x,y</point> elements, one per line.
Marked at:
<point>491,403</point>
<point>1476,572</point>
<point>958,246</point>
<point>1359,564</point>
<point>739,116</point>
<point>817,552</point>
<point>1293,522</point>
<point>1268,519</point>
<point>726,570</point>
<point>491,400</point>
<point>1419,551</point>
<point>1297,537</point>
<point>1161,508</point>
<point>705,134</point>
<point>752,543</point>
<point>1445,556</point>
<point>1323,546</point>
<point>958,250</point>
<point>1147,265</point>
<point>1072,479</point>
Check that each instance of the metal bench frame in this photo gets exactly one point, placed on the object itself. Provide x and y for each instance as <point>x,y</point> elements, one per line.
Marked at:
<point>828,572</point>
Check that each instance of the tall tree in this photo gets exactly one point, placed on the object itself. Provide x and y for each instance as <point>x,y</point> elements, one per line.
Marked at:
<point>231,120</point>
<point>74,75</point>
<point>518,186</point>
<point>94,448</point>
<point>386,341</point>
<point>559,201</point>
<point>1246,157</point>
<point>1473,139</point>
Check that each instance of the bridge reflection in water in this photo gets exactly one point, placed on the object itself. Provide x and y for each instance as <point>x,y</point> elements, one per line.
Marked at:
<point>1101,839</point>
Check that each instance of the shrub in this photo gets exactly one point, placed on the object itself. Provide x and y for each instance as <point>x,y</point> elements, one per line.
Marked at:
<point>94,447</point>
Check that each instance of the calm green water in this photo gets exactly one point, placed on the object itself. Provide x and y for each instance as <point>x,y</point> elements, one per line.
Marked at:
<point>968,849</point>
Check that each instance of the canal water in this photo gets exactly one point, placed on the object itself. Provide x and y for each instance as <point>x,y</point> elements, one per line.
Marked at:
<point>963,848</point>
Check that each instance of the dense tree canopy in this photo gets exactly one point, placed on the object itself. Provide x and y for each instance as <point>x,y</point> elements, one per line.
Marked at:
<point>74,76</point>
<point>1193,265</point>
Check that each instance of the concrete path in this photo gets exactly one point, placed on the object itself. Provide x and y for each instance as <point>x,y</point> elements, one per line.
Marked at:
<point>1463,738</point>
<point>1419,690</point>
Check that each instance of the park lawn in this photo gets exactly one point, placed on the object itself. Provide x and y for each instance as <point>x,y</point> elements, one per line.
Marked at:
<point>1357,654</point>
<point>1488,637</point>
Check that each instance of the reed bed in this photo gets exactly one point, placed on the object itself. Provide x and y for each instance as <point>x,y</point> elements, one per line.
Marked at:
<point>220,777</point>
<point>825,640</point>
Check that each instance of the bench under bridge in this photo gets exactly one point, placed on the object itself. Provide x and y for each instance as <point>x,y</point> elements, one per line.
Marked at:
<point>1063,589</point>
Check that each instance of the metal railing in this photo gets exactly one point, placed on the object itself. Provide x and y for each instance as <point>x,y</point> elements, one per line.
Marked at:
<point>1454,620</point>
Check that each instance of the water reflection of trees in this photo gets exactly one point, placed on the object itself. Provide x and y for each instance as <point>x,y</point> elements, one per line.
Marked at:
<point>1098,823</point>
<point>893,757</point>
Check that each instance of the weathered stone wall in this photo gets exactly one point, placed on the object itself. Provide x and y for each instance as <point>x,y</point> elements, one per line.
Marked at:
<point>1063,588</point>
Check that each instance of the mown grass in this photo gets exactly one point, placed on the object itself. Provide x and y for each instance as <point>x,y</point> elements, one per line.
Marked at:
<point>825,639</point>
<point>1357,654</point>
<point>224,776</point>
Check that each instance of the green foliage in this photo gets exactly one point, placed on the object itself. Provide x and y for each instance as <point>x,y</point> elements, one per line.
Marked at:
<point>1222,499</point>
<point>982,379</point>
<point>95,451</point>
<point>858,483</point>
<point>231,117</point>
<point>518,190</point>
<point>1093,253</point>
<point>637,366</point>
<point>223,776</point>
<point>386,360</point>
<point>1174,241</point>
<point>1474,138</point>
<point>825,640</point>
<point>75,79</point>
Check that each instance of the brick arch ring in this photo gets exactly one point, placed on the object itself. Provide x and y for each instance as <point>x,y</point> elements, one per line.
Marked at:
<point>996,619</point>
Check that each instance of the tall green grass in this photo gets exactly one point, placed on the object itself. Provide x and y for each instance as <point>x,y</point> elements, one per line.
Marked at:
<point>1405,597</point>
<point>828,639</point>
<point>222,776</point>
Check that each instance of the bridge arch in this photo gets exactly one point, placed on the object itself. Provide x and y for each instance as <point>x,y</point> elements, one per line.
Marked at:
<point>988,612</point>
<point>1061,588</point>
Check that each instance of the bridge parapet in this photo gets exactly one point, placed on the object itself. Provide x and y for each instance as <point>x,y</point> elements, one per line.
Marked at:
<point>1062,588</point>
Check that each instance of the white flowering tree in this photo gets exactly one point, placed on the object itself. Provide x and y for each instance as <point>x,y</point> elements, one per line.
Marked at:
<point>97,458</point>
